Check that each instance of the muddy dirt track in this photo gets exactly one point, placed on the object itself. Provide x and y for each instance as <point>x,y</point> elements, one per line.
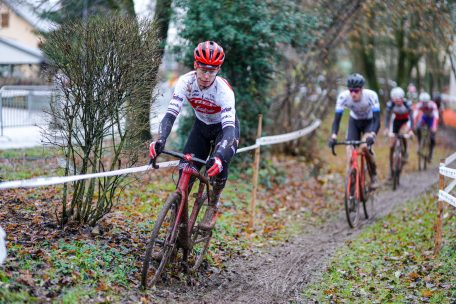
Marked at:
<point>279,274</point>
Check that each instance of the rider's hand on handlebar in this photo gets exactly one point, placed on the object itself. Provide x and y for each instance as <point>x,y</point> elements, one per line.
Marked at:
<point>370,140</point>
<point>332,142</point>
<point>155,148</point>
<point>215,166</point>
<point>385,132</point>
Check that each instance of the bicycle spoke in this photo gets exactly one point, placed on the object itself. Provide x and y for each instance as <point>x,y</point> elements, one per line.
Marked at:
<point>200,238</point>
<point>351,202</point>
<point>161,245</point>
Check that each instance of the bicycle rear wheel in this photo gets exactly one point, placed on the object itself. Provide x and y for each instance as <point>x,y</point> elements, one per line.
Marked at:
<point>351,202</point>
<point>161,244</point>
<point>200,237</point>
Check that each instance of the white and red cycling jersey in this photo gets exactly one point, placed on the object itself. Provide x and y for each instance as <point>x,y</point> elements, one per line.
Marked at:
<point>427,111</point>
<point>215,104</point>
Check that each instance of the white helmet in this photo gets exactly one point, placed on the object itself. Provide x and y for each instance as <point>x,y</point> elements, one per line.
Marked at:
<point>397,93</point>
<point>425,97</point>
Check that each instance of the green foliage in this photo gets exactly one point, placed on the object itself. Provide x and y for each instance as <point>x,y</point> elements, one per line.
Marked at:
<point>400,34</point>
<point>75,9</point>
<point>250,33</point>
<point>392,261</point>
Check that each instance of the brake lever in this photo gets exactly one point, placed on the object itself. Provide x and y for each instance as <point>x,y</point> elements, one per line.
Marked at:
<point>153,162</point>
<point>333,151</point>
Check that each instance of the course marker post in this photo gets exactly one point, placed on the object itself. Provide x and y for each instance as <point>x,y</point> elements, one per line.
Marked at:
<point>438,223</point>
<point>256,165</point>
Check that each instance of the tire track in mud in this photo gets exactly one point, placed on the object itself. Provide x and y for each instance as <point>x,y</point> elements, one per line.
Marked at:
<point>279,274</point>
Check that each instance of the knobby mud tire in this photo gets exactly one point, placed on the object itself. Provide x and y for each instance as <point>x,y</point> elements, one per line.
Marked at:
<point>200,238</point>
<point>350,201</point>
<point>160,242</point>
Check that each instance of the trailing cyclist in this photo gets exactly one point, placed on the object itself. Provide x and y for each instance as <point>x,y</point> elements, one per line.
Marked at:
<point>427,113</point>
<point>403,115</point>
<point>364,119</point>
<point>212,99</point>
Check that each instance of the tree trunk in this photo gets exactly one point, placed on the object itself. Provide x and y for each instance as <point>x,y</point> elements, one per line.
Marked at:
<point>141,119</point>
<point>401,72</point>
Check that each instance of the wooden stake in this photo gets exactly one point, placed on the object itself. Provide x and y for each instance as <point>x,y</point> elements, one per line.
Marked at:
<point>438,223</point>
<point>256,165</point>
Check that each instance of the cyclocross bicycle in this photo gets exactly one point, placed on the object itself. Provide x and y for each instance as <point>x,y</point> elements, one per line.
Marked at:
<point>424,148</point>
<point>357,190</point>
<point>398,158</point>
<point>177,228</point>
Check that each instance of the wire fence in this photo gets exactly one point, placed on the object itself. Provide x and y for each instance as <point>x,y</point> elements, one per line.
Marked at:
<point>22,106</point>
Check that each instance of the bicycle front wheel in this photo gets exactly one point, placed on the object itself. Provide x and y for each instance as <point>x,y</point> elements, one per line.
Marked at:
<point>201,234</point>
<point>161,244</point>
<point>351,202</point>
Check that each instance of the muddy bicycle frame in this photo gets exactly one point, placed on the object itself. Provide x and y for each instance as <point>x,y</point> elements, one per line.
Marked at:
<point>188,170</point>
<point>360,178</point>
<point>361,194</point>
<point>396,162</point>
<point>182,231</point>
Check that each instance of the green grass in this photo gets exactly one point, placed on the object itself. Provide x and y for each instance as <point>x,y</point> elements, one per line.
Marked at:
<point>36,152</point>
<point>74,270</point>
<point>392,261</point>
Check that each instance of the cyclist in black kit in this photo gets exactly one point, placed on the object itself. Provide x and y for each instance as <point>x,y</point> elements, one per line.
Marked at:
<point>212,99</point>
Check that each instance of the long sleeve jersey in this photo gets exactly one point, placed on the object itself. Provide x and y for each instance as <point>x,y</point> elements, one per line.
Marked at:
<point>402,112</point>
<point>367,107</point>
<point>213,105</point>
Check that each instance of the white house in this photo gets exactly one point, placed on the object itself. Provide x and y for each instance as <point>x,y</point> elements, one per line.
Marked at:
<point>20,27</point>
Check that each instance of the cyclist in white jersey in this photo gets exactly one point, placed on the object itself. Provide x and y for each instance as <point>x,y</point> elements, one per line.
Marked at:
<point>401,109</point>
<point>212,99</point>
<point>364,119</point>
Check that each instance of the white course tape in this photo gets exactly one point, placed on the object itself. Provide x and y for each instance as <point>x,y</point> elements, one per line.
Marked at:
<point>450,186</point>
<point>270,140</point>
<point>450,199</point>
<point>449,172</point>
<point>248,148</point>
<point>46,181</point>
<point>450,159</point>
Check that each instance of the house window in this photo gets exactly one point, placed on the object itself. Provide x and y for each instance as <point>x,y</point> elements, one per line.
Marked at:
<point>5,19</point>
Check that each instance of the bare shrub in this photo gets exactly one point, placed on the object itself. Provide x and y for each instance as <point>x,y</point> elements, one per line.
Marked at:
<point>104,70</point>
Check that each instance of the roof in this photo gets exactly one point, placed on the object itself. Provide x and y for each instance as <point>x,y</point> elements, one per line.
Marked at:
<point>14,52</point>
<point>27,12</point>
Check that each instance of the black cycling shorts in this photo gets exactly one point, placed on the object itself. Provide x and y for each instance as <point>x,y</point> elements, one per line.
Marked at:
<point>357,127</point>
<point>398,123</point>
<point>199,143</point>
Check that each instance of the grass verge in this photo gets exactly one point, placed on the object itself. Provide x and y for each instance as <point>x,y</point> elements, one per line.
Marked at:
<point>392,261</point>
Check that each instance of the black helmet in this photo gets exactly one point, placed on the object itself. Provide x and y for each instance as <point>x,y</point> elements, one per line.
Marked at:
<point>355,81</point>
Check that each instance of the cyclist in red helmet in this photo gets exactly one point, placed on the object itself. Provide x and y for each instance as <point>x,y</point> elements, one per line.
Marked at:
<point>212,99</point>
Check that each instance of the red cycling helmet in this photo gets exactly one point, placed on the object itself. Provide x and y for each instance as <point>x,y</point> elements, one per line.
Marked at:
<point>209,54</point>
